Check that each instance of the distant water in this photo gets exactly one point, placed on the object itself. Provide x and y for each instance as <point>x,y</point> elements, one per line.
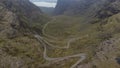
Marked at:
<point>45,4</point>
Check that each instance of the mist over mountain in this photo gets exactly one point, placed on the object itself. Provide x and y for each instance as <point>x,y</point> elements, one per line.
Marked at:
<point>44,3</point>
<point>51,1</point>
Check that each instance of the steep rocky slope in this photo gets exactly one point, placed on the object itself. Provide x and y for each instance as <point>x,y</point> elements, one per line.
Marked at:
<point>25,12</point>
<point>18,47</point>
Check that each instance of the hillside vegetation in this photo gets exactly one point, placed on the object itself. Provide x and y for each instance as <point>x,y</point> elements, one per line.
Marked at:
<point>18,46</point>
<point>92,35</point>
<point>97,30</point>
<point>82,34</point>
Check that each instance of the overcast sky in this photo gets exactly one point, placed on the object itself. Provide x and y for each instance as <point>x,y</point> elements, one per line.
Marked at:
<point>45,3</point>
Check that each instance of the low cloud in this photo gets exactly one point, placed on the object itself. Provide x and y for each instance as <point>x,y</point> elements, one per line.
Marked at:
<point>45,4</point>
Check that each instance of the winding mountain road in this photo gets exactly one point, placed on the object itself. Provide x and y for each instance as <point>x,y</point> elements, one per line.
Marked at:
<point>67,44</point>
<point>43,30</point>
<point>45,44</point>
<point>54,39</point>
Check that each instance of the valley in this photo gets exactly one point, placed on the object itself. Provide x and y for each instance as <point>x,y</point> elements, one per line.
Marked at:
<point>74,34</point>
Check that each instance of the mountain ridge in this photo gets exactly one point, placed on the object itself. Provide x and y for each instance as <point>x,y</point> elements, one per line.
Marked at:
<point>86,7</point>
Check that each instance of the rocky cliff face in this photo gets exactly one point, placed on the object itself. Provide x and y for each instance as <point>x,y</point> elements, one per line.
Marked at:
<point>87,7</point>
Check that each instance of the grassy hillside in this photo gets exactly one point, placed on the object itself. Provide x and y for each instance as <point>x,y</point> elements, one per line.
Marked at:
<point>91,36</point>
<point>18,46</point>
<point>97,36</point>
